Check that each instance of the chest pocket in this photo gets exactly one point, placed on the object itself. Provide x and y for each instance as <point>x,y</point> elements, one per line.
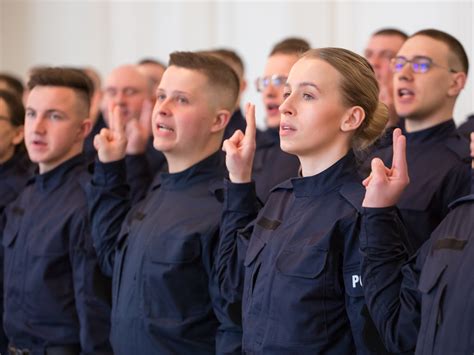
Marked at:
<point>174,251</point>
<point>306,263</point>
<point>45,244</point>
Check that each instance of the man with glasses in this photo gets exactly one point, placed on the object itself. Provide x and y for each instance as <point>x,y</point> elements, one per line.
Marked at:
<point>430,71</point>
<point>271,165</point>
<point>127,87</point>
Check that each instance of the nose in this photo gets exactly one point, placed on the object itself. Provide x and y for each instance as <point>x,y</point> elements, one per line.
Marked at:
<point>270,91</point>
<point>405,73</point>
<point>287,108</point>
<point>163,107</point>
<point>38,125</point>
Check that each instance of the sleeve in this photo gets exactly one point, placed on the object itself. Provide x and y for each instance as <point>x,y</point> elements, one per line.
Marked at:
<point>139,176</point>
<point>229,332</point>
<point>92,292</point>
<point>456,184</point>
<point>109,203</point>
<point>472,181</point>
<point>391,278</point>
<point>241,207</point>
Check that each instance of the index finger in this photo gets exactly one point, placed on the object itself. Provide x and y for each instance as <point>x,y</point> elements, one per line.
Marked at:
<point>251,129</point>
<point>116,120</point>
<point>399,161</point>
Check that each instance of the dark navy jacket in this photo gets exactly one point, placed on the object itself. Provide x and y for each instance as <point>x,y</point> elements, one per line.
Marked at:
<point>296,266</point>
<point>271,165</point>
<point>54,291</point>
<point>439,163</point>
<point>161,256</point>
<point>467,127</point>
<point>426,302</point>
<point>14,174</point>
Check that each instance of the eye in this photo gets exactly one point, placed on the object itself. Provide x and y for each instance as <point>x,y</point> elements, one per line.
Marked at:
<point>182,99</point>
<point>160,97</point>
<point>110,92</point>
<point>55,116</point>
<point>307,97</point>
<point>30,114</point>
<point>286,94</point>
<point>130,91</point>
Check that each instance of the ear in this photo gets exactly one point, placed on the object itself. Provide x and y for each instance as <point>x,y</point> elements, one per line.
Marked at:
<point>221,120</point>
<point>85,128</point>
<point>243,86</point>
<point>19,135</point>
<point>457,83</point>
<point>353,118</point>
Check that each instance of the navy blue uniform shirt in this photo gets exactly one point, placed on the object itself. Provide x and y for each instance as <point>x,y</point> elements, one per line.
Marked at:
<point>426,302</point>
<point>439,161</point>
<point>14,175</point>
<point>54,291</point>
<point>296,266</point>
<point>467,127</point>
<point>160,254</point>
<point>271,165</point>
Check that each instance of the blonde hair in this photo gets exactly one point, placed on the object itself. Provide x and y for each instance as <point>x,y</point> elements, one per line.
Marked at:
<point>358,88</point>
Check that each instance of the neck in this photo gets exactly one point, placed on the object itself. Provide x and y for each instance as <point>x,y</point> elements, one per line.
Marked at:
<point>178,162</point>
<point>415,124</point>
<point>313,164</point>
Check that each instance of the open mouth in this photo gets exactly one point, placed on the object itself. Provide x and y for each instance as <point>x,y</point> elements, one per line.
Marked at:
<point>272,109</point>
<point>162,127</point>
<point>405,93</point>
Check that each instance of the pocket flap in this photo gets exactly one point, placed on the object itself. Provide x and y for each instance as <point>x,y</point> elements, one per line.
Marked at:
<point>10,232</point>
<point>430,276</point>
<point>175,251</point>
<point>307,262</point>
<point>255,247</point>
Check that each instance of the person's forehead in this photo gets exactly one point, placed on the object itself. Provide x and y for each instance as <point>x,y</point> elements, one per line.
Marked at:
<point>424,46</point>
<point>280,64</point>
<point>51,97</point>
<point>182,79</point>
<point>126,77</point>
<point>382,42</point>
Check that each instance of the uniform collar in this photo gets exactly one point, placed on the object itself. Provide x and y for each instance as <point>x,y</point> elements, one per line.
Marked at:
<point>436,133</point>
<point>209,168</point>
<point>54,178</point>
<point>344,170</point>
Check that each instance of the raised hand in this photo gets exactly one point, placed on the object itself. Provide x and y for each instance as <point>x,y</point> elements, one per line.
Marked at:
<point>240,149</point>
<point>138,130</point>
<point>384,186</point>
<point>111,142</point>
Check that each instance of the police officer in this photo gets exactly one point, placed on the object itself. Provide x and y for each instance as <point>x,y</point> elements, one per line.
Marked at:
<point>423,303</point>
<point>295,263</point>
<point>56,300</point>
<point>429,73</point>
<point>160,253</point>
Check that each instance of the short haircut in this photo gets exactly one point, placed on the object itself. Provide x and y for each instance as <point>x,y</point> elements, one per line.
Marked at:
<point>388,31</point>
<point>453,44</point>
<point>13,83</point>
<point>72,78</point>
<point>229,55</point>
<point>291,45</point>
<point>220,75</point>
<point>15,107</point>
<point>152,61</point>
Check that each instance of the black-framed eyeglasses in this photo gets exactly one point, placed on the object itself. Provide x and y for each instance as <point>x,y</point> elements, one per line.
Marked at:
<point>275,80</point>
<point>419,64</point>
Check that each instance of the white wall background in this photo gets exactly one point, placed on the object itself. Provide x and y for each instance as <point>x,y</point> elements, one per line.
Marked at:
<point>106,33</point>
